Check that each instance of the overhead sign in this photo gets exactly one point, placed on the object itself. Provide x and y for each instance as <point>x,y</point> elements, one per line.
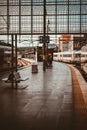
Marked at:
<point>66,38</point>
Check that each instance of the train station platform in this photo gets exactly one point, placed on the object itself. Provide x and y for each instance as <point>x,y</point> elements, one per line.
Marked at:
<point>53,100</point>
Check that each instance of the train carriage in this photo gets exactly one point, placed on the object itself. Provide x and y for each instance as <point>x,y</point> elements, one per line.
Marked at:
<point>70,57</point>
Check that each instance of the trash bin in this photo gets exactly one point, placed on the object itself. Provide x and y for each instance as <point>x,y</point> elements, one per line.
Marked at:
<point>34,68</point>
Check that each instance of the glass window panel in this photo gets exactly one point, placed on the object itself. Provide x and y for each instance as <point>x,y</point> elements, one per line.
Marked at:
<point>25,10</point>
<point>3,24</point>
<point>84,24</point>
<point>83,1</point>
<point>14,24</point>
<point>37,10</point>
<point>38,24</point>
<point>50,9</point>
<point>74,24</point>
<point>3,2</point>
<point>34,2</point>
<point>84,9</point>
<point>3,10</point>
<point>25,24</point>
<point>13,2</point>
<point>52,26</point>
<point>25,2</point>
<point>74,1</point>
<point>58,1</point>
<point>62,9</point>
<point>62,22</point>
<point>37,2</point>
<point>74,9</point>
<point>13,10</point>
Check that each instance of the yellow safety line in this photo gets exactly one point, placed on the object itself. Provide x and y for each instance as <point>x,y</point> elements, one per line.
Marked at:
<point>79,106</point>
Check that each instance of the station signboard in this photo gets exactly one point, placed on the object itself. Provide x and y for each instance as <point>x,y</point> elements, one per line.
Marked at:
<point>66,38</point>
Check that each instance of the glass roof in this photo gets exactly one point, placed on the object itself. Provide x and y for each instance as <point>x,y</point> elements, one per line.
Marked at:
<point>27,16</point>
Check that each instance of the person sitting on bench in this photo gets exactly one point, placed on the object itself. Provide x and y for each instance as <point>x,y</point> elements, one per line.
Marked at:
<point>11,77</point>
<point>15,77</point>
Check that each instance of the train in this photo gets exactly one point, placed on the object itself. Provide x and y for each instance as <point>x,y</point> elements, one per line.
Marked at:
<point>71,56</point>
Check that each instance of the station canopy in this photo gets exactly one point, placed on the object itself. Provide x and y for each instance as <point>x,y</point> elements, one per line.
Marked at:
<point>27,17</point>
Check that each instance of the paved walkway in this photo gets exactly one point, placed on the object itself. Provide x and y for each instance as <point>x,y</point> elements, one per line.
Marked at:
<point>48,102</point>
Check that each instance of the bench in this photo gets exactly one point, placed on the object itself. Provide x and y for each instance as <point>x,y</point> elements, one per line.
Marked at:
<point>15,77</point>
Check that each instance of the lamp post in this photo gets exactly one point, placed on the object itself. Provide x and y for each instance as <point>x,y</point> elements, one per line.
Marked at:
<point>48,27</point>
<point>48,23</point>
<point>45,39</point>
<point>44,34</point>
<point>47,43</point>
